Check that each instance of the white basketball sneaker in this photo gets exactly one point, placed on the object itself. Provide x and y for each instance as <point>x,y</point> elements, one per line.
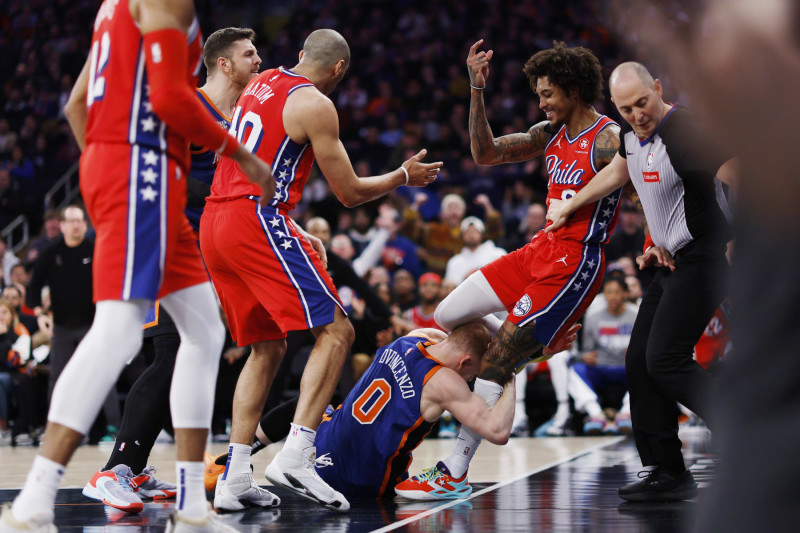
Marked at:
<point>210,523</point>
<point>294,470</point>
<point>240,491</point>
<point>42,523</point>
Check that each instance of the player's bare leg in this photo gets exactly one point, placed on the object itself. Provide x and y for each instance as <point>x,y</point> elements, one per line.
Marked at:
<point>293,467</point>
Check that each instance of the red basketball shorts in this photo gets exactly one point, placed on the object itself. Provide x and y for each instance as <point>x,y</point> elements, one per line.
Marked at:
<point>267,276</point>
<point>550,281</point>
<point>144,246</point>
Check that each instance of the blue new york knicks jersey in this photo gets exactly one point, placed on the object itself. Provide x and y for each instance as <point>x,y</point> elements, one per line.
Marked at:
<point>204,163</point>
<point>371,435</point>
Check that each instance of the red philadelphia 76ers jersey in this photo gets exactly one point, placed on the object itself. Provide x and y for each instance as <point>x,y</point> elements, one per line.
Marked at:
<point>258,124</point>
<point>118,102</point>
<point>570,166</point>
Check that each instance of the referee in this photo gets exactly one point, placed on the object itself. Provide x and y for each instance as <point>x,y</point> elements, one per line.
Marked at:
<point>672,166</point>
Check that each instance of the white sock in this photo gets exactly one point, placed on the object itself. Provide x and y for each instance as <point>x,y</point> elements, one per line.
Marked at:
<point>467,442</point>
<point>191,498</point>
<point>594,411</point>
<point>238,460</point>
<point>39,492</point>
<point>299,438</point>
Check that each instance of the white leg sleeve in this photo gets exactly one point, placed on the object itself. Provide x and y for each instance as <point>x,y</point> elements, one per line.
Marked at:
<point>626,405</point>
<point>558,375</point>
<point>473,300</point>
<point>114,339</point>
<point>194,311</point>
<point>581,393</point>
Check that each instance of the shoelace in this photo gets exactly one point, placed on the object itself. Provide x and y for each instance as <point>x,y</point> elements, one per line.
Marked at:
<point>126,482</point>
<point>645,473</point>
<point>430,474</point>
<point>323,460</point>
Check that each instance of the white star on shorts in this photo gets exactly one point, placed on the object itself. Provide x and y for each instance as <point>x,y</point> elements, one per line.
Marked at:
<point>149,194</point>
<point>149,175</point>
<point>148,124</point>
<point>286,245</point>
<point>274,222</point>
<point>150,158</point>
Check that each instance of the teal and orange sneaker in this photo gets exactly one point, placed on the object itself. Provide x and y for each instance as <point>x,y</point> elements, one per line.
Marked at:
<point>434,484</point>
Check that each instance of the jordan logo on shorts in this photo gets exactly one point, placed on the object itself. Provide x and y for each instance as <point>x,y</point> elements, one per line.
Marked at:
<point>563,260</point>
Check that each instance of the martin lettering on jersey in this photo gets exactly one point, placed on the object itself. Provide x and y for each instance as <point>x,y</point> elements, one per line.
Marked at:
<point>261,91</point>
<point>563,175</point>
<point>395,362</point>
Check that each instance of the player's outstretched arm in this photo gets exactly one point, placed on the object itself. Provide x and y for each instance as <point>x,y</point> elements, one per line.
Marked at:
<point>76,109</point>
<point>610,178</point>
<point>163,24</point>
<point>450,392</point>
<point>315,114</point>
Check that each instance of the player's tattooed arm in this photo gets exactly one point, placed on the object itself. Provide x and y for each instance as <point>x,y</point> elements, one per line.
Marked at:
<point>488,150</point>
<point>511,347</point>
<point>606,146</point>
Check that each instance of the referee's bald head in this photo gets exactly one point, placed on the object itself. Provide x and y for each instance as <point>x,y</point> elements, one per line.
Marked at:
<point>628,72</point>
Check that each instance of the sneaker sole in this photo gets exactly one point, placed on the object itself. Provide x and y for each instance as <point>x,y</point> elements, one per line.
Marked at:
<point>276,477</point>
<point>91,492</point>
<point>676,495</point>
<point>156,494</point>
<point>421,495</point>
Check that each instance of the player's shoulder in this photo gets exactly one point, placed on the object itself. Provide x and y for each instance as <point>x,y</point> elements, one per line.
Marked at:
<point>430,334</point>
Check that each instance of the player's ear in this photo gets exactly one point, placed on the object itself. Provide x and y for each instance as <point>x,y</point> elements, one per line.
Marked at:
<point>300,57</point>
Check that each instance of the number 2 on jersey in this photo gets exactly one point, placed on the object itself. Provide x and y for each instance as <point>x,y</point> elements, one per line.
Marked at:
<point>383,391</point>
<point>99,60</point>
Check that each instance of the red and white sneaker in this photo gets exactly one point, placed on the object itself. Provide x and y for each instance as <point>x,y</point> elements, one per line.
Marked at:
<point>114,487</point>
<point>149,487</point>
<point>434,484</point>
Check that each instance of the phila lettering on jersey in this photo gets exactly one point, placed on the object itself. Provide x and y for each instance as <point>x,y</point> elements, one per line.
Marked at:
<point>570,166</point>
<point>117,98</point>
<point>257,123</point>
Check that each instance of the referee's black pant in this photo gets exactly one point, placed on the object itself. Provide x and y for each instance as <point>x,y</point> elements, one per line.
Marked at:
<point>661,370</point>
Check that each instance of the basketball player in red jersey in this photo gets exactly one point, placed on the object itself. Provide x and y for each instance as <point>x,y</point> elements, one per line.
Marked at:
<point>133,110</point>
<point>269,278</point>
<point>547,284</point>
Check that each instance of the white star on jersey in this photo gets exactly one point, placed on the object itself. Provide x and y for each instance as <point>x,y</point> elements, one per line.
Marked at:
<point>577,287</point>
<point>584,276</point>
<point>274,222</point>
<point>591,263</point>
<point>148,107</point>
<point>286,245</point>
<point>150,158</point>
<point>149,194</point>
<point>282,174</point>
<point>287,161</point>
<point>607,212</point>
<point>149,176</point>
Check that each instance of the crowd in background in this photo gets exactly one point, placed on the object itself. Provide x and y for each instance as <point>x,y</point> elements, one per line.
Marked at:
<point>407,88</point>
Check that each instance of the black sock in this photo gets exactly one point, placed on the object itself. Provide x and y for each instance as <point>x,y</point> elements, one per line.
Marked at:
<point>257,446</point>
<point>278,422</point>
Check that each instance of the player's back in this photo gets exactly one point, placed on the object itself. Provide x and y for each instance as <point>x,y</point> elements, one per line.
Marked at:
<point>119,109</point>
<point>257,122</point>
<point>371,435</point>
<point>570,166</point>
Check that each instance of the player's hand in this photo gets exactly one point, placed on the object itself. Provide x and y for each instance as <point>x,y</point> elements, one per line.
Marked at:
<point>656,256</point>
<point>558,212</point>
<point>419,199</point>
<point>259,173</point>
<point>478,65</point>
<point>421,174</point>
<point>564,343</point>
<point>316,244</point>
<point>231,355</point>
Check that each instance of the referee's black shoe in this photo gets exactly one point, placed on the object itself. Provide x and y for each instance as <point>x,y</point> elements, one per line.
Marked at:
<point>659,486</point>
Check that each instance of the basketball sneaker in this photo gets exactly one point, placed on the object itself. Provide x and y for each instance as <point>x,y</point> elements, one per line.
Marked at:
<point>594,426</point>
<point>240,491</point>
<point>214,467</point>
<point>149,487</point>
<point>115,488</point>
<point>42,523</point>
<point>211,522</point>
<point>434,484</point>
<point>295,470</point>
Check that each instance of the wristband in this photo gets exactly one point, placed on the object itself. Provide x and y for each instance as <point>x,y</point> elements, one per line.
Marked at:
<point>477,88</point>
<point>404,172</point>
<point>648,243</point>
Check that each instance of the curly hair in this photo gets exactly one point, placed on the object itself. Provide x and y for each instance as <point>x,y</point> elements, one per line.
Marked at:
<point>568,68</point>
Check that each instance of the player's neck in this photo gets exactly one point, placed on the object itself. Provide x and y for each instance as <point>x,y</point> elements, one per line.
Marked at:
<point>581,118</point>
<point>304,69</point>
<point>222,94</point>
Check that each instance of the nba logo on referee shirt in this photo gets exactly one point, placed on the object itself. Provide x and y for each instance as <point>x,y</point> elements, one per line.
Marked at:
<point>650,177</point>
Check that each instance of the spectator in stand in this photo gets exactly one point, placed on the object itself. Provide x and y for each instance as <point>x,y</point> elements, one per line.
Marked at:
<point>439,241</point>
<point>16,296</point>
<point>628,239</point>
<point>398,252</point>
<point>421,315</point>
<point>404,288</point>
<point>601,363</point>
<point>362,231</point>
<point>371,255</point>
<point>51,233</point>
<point>8,260</point>
<point>634,290</point>
<point>476,252</point>
<point>529,226</point>
<point>66,268</point>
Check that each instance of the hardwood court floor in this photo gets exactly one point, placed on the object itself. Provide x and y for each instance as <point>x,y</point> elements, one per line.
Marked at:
<point>542,485</point>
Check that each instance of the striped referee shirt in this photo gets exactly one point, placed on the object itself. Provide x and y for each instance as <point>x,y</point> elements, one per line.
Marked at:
<point>673,172</point>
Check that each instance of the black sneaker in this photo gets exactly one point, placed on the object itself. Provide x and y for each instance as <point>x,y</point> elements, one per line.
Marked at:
<point>659,486</point>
